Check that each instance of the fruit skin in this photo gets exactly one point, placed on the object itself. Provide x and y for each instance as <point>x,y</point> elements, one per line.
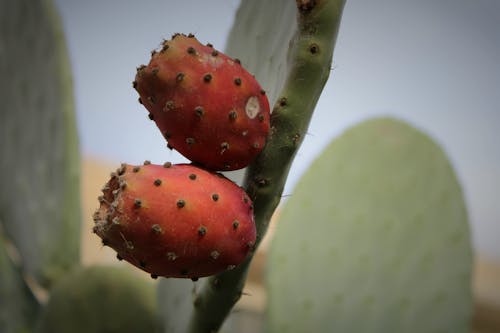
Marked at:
<point>175,220</point>
<point>206,104</point>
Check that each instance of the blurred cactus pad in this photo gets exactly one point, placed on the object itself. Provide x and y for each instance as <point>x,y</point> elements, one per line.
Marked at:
<point>39,157</point>
<point>374,239</point>
<point>100,299</point>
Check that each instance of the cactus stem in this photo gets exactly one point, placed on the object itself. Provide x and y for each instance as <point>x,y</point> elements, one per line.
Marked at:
<point>303,85</point>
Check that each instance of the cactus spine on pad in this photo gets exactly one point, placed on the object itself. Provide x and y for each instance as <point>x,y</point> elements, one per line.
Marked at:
<point>303,69</point>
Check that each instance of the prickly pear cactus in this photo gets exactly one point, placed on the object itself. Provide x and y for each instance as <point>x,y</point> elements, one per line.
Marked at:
<point>18,306</point>
<point>374,239</point>
<point>100,299</point>
<point>39,163</point>
<point>289,46</point>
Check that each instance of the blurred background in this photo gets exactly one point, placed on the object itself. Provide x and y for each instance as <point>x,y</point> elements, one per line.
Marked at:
<point>435,64</point>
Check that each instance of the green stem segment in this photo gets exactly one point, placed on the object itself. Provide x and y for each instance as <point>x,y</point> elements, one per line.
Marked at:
<point>311,57</point>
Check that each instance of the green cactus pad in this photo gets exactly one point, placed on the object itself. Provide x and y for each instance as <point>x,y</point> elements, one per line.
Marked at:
<point>39,158</point>
<point>100,299</point>
<point>18,306</point>
<point>374,239</point>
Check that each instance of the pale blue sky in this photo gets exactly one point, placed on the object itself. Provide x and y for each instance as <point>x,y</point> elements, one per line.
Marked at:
<point>433,63</point>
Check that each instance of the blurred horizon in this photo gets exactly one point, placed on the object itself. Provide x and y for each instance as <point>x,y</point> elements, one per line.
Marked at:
<point>434,64</point>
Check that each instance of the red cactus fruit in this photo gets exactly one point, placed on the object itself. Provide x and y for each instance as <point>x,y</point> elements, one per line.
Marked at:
<point>207,106</point>
<point>175,220</point>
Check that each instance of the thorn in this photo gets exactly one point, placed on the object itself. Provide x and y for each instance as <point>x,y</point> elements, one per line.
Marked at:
<point>192,176</point>
<point>236,60</point>
<point>169,105</point>
<point>207,77</point>
<point>215,197</point>
<point>236,224</point>
<point>181,203</point>
<point>171,256</point>
<point>233,115</point>
<point>190,141</point>
<point>202,231</point>
<point>119,257</point>
<point>142,264</point>
<point>147,162</point>
<point>155,228</point>
<point>167,165</point>
<point>260,117</point>
<point>283,101</point>
<point>215,53</point>
<point>180,77</point>
<point>314,48</point>
<point>209,45</point>
<point>190,35</point>
<point>150,116</point>
<point>191,50</point>
<point>237,81</point>
<point>137,203</point>
<point>224,146</point>
<point>157,182</point>
<point>154,276</point>
<point>199,111</point>
<point>214,254</point>
<point>152,99</point>
<point>136,169</point>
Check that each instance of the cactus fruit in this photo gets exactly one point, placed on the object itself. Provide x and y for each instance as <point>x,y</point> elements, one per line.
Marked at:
<point>100,299</point>
<point>387,247</point>
<point>206,104</point>
<point>175,220</point>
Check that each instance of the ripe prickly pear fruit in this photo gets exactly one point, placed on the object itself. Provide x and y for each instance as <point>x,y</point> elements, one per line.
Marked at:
<point>175,220</point>
<point>206,104</point>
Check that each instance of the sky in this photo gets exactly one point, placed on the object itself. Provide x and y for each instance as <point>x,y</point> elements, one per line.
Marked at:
<point>433,63</point>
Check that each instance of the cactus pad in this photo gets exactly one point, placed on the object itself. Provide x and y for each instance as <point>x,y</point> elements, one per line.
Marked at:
<point>100,299</point>
<point>39,163</point>
<point>374,239</point>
